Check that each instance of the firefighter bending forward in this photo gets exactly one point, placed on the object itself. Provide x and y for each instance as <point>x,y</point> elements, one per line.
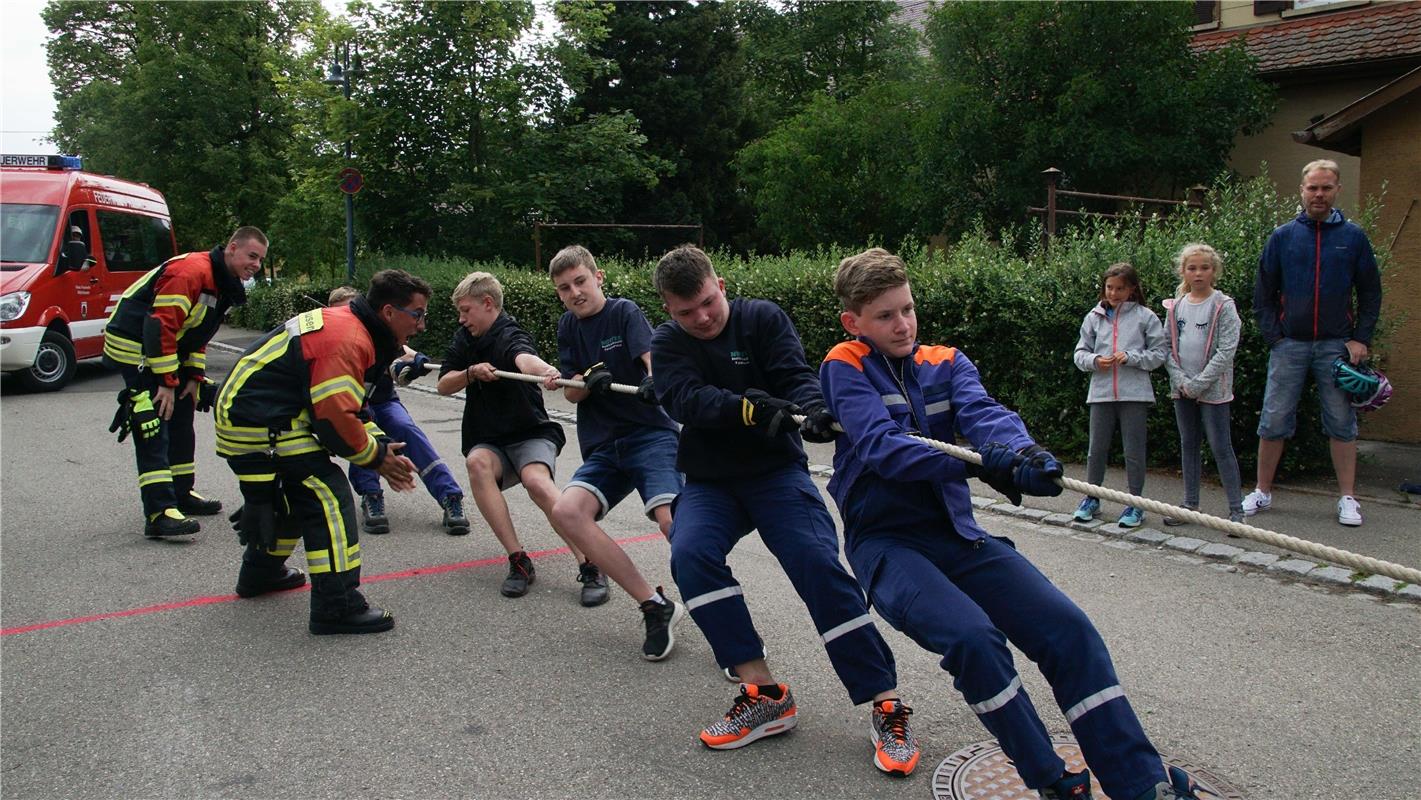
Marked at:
<point>157,337</point>
<point>293,397</point>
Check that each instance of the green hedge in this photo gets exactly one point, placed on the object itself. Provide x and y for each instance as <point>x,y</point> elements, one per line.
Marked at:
<point>1017,316</point>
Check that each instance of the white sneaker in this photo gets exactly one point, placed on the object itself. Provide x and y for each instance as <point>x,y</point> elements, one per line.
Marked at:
<point>1256,501</point>
<point>1349,511</point>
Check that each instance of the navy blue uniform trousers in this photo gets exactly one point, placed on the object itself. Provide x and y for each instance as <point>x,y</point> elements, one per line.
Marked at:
<point>710,517</point>
<point>964,600</point>
<point>395,421</point>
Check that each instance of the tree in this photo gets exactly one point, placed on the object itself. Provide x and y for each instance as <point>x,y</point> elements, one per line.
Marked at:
<point>1108,92</point>
<point>182,96</point>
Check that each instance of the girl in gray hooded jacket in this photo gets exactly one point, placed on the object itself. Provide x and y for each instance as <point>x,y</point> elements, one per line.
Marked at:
<point>1121,342</point>
<point>1203,327</point>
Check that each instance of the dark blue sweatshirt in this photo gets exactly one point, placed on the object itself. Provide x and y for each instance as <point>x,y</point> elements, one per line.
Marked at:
<point>700,383</point>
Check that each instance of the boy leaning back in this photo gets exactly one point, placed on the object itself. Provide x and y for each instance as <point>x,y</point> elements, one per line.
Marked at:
<point>937,576</point>
<point>625,445</point>
<point>733,374</point>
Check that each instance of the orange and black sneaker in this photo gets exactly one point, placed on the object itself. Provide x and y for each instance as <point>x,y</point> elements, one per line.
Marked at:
<point>755,715</point>
<point>895,748</point>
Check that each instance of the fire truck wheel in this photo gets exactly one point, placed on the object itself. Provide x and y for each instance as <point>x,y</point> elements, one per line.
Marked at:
<point>54,364</point>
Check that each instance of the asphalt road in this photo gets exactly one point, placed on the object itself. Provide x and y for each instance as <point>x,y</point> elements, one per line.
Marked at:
<point>1283,688</point>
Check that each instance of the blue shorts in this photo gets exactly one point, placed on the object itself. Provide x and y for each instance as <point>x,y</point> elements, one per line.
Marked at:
<point>1289,363</point>
<point>645,461</point>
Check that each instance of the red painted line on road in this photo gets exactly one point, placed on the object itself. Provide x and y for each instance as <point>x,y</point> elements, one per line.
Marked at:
<point>437,569</point>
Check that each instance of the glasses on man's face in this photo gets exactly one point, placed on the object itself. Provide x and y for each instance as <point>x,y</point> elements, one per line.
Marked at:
<point>416,314</point>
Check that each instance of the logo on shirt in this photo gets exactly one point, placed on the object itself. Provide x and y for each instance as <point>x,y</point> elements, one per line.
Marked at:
<point>612,343</point>
<point>739,358</point>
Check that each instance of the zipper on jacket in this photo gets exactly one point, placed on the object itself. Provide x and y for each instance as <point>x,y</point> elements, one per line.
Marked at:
<point>1316,278</point>
<point>1115,365</point>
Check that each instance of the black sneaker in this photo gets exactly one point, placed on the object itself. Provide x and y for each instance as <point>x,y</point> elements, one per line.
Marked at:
<point>371,620</point>
<point>195,505</point>
<point>455,523</point>
<point>520,575</point>
<point>289,578</point>
<point>170,522</point>
<point>372,513</point>
<point>660,619</point>
<point>594,584</point>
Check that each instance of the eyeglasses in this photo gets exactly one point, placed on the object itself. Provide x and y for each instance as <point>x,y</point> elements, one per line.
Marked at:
<point>417,314</point>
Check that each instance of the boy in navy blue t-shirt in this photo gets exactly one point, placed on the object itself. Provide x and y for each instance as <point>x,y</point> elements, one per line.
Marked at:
<point>625,444</point>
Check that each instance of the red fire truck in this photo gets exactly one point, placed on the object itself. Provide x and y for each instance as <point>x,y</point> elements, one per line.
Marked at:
<point>70,243</point>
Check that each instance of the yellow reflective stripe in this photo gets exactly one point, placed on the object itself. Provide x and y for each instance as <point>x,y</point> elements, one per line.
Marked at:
<point>173,301</point>
<point>198,360</point>
<point>319,562</point>
<point>123,356</point>
<point>156,476</point>
<point>336,385</point>
<point>142,283</point>
<point>335,523</point>
<point>163,364</point>
<point>292,448</point>
<point>366,454</point>
<point>194,318</point>
<point>122,343</point>
<point>182,469</point>
<point>262,477</point>
<point>246,366</point>
<point>283,547</point>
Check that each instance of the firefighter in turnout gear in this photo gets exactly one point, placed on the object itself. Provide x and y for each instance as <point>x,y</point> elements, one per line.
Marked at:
<point>294,398</point>
<point>157,338</point>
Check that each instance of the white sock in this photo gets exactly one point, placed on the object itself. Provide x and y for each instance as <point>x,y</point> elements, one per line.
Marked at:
<point>656,598</point>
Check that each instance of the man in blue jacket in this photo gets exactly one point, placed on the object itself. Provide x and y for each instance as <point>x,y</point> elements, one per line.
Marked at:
<point>1303,299</point>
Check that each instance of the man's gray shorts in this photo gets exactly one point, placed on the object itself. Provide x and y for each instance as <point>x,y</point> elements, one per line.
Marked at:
<point>515,457</point>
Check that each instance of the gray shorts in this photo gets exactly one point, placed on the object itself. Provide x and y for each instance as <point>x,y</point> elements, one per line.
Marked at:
<point>515,457</point>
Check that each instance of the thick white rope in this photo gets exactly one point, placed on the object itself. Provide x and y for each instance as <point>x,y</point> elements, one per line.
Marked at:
<point>1362,563</point>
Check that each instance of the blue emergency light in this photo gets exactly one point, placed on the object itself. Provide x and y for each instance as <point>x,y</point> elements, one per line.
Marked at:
<point>42,162</point>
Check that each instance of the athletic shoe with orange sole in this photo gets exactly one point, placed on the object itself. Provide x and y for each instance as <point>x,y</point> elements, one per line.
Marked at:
<point>754,716</point>
<point>895,748</point>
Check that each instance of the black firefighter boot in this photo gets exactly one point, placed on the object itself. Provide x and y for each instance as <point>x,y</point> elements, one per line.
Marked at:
<point>263,573</point>
<point>337,606</point>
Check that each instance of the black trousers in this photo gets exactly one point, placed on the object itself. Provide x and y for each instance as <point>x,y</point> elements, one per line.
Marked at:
<point>165,461</point>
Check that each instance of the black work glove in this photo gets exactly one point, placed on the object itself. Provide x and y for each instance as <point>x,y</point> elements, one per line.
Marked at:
<point>646,391</point>
<point>409,369</point>
<point>143,418</point>
<point>818,426</point>
<point>998,469</point>
<point>207,391</point>
<point>1037,473</point>
<point>597,379</point>
<point>773,416</point>
<point>119,424</point>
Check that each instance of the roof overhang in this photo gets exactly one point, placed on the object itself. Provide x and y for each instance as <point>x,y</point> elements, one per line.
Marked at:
<point>1341,131</point>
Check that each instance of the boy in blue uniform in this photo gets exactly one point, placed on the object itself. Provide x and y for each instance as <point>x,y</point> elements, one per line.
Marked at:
<point>394,419</point>
<point>937,576</point>
<point>625,445</point>
<point>733,374</point>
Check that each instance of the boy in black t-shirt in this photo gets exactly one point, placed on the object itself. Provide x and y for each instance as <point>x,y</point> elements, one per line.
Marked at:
<point>507,437</point>
<point>625,444</point>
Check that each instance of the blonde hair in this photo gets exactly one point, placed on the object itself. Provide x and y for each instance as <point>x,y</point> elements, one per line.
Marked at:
<point>861,278</point>
<point>479,284</point>
<point>571,257</point>
<point>341,294</point>
<point>1322,163</point>
<point>1196,249</point>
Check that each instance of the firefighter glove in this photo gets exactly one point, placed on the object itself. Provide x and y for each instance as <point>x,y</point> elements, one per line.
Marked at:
<point>597,379</point>
<point>773,416</point>
<point>207,390</point>
<point>144,417</point>
<point>998,469</point>
<point>818,426</point>
<point>120,417</point>
<point>646,391</point>
<point>409,369</point>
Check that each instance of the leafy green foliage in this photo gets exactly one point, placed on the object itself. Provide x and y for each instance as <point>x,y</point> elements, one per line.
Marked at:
<point>1016,316</point>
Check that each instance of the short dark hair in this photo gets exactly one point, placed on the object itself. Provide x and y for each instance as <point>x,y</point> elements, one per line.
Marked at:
<point>571,257</point>
<point>394,287</point>
<point>249,233</point>
<point>682,271</point>
<point>1125,271</point>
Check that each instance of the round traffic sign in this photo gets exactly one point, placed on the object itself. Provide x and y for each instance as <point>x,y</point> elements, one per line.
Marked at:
<point>351,180</point>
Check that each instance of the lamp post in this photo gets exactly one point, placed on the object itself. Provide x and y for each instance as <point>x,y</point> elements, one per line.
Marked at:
<point>341,72</point>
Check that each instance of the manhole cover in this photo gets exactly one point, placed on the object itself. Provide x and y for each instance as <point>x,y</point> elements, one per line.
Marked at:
<point>983,772</point>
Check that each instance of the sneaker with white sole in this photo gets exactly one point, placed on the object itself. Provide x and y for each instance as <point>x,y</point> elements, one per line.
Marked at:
<point>754,716</point>
<point>1349,511</point>
<point>1256,501</point>
<point>895,748</point>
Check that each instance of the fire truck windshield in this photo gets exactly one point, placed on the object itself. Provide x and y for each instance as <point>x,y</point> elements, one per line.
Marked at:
<point>26,233</point>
